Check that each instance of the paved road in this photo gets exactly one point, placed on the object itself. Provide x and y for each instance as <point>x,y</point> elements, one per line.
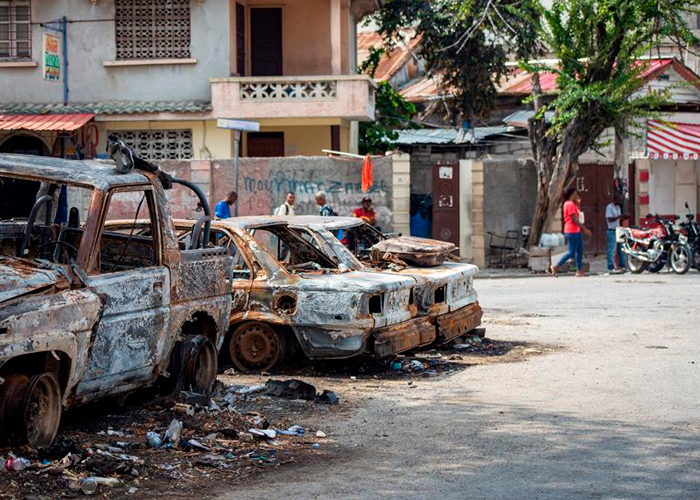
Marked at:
<point>614,413</point>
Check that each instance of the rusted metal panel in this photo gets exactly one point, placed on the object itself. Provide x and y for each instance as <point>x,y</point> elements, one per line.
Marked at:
<point>413,251</point>
<point>458,323</point>
<point>403,337</point>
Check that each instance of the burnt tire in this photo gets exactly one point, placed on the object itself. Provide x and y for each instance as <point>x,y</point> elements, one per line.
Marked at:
<point>256,346</point>
<point>30,409</point>
<point>201,365</point>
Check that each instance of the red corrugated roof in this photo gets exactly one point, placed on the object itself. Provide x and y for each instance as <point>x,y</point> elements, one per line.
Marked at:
<point>57,122</point>
<point>390,63</point>
<point>520,83</point>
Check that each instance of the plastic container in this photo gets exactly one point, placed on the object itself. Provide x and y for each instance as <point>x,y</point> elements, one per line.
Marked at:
<point>89,486</point>
<point>154,440</point>
<point>15,464</point>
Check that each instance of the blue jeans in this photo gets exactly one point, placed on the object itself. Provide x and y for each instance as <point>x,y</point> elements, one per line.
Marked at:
<point>614,247</point>
<point>575,241</point>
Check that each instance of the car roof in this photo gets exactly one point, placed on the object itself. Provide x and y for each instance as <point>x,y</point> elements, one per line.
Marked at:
<point>99,174</point>
<point>250,221</point>
<point>330,223</point>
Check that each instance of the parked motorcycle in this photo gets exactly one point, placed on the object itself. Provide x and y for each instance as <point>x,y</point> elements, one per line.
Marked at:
<point>654,247</point>
<point>690,230</point>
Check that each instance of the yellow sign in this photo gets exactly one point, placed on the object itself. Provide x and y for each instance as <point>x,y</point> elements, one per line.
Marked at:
<point>52,57</point>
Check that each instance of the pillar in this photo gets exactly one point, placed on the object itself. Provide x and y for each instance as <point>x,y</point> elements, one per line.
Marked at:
<point>336,37</point>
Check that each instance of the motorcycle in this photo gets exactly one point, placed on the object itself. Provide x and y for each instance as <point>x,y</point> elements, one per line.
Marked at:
<point>654,247</point>
<point>690,230</point>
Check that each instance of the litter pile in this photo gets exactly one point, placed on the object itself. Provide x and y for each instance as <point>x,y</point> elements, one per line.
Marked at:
<point>165,445</point>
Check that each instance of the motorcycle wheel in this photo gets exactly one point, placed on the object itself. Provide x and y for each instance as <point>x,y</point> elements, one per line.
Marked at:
<point>655,267</point>
<point>635,265</point>
<point>680,258</point>
<point>696,257</point>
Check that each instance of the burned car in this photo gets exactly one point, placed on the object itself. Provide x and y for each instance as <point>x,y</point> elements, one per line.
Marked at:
<point>445,289</point>
<point>87,312</point>
<point>288,294</point>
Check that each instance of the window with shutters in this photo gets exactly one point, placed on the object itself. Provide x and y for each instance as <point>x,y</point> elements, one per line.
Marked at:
<point>158,144</point>
<point>152,29</point>
<point>15,29</point>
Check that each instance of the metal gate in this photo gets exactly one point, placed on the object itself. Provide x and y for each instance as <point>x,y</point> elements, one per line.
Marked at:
<point>446,202</point>
<point>595,186</point>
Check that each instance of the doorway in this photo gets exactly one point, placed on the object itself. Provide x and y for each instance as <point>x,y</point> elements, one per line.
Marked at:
<point>446,201</point>
<point>266,41</point>
<point>595,186</point>
<point>265,144</point>
<point>17,196</point>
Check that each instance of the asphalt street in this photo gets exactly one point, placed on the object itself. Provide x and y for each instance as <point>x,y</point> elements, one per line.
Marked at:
<point>611,411</point>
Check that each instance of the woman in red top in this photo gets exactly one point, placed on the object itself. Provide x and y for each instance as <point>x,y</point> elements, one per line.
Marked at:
<point>572,231</point>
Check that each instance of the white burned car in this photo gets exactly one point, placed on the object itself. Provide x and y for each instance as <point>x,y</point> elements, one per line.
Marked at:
<point>289,295</point>
<point>445,290</point>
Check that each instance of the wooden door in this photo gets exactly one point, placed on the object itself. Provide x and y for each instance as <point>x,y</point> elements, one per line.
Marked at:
<point>595,185</point>
<point>446,202</point>
<point>266,41</point>
<point>265,144</point>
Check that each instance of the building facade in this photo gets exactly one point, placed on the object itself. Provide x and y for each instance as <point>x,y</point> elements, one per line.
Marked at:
<point>159,73</point>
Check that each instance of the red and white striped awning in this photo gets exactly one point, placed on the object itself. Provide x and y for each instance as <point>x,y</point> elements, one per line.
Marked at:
<point>673,141</point>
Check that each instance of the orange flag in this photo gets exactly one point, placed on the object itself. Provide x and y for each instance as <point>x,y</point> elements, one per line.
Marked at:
<point>367,174</point>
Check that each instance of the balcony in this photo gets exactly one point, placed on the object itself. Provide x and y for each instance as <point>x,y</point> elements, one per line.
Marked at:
<point>350,97</point>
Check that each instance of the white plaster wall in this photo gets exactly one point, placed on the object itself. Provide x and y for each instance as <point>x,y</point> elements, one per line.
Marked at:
<point>466,230</point>
<point>672,183</point>
<point>92,43</point>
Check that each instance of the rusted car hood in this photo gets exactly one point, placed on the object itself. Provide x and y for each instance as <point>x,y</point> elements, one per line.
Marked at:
<point>417,251</point>
<point>446,272</point>
<point>356,281</point>
<point>19,277</point>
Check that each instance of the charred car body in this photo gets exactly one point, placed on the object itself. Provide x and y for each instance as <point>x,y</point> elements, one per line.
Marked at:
<point>288,294</point>
<point>87,312</point>
<point>445,290</point>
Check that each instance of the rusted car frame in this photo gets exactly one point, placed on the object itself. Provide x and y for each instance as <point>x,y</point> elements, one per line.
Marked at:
<point>308,300</point>
<point>444,293</point>
<point>87,313</point>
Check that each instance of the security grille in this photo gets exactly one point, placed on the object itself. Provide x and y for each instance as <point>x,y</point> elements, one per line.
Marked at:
<point>15,29</point>
<point>158,144</point>
<point>153,29</point>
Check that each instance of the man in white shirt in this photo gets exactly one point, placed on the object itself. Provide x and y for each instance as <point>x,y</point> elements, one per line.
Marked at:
<point>613,215</point>
<point>286,208</point>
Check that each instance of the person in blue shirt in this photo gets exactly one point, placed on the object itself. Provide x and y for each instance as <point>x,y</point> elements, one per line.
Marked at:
<point>223,208</point>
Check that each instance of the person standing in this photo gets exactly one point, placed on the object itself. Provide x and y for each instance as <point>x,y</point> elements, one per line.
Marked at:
<point>287,208</point>
<point>223,208</point>
<point>613,215</point>
<point>321,201</point>
<point>366,212</point>
<point>573,227</point>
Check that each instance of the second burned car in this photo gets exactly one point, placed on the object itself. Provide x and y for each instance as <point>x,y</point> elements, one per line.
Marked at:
<point>289,295</point>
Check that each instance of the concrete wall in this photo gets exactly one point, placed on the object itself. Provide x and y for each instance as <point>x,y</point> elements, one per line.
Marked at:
<point>263,183</point>
<point>672,183</point>
<point>91,43</point>
<point>499,195</point>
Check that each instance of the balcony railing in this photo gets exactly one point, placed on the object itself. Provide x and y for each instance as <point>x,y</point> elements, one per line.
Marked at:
<point>344,96</point>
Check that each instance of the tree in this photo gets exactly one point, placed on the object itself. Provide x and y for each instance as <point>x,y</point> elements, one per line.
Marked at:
<point>392,110</point>
<point>597,45</point>
<point>465,43</point>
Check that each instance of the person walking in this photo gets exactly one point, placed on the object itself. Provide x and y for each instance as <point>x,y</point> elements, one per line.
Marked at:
<point>614,215</point>
<point>287,208</point>
<point>573,227</point>
<point>223,208</point>
<point>325,209</point>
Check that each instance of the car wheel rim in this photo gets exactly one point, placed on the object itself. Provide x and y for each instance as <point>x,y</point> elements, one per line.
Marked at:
<point>255,346</point>
<point>205,367</point>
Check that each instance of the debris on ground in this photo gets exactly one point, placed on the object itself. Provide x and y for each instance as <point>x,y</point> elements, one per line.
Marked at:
<point>165,444</point>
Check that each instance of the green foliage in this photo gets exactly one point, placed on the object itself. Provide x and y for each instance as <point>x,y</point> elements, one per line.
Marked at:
<point>465,43</point>
<point>392,110</point>
<point>598,45</point>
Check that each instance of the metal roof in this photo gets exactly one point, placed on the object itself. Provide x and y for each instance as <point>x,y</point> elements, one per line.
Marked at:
<point>62,122</point>
<point>449,136</point>
<point>91,173</point>
<point>107,107</point>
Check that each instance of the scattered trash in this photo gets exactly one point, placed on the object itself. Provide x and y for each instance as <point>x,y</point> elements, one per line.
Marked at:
<point>295,430</point>
<point>183,409</point>
<point>396,365</point>
<point>229,372</point>
<point>428,355</point>
<point>328,397</point>
<point>153,439</point>
<point>292,389</point>
<point>320,434</point>
<point>193,443</point>
<point>172,435</point>
<point>89,486</point>
<point>255,389</point>
<point>416,365</point>
<point>315,446</point>
<point>269,433</point>
<point>13,464</point>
